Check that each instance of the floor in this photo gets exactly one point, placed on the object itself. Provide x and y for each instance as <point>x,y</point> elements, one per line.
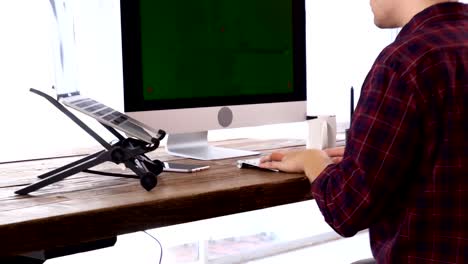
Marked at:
<point>294,233</point>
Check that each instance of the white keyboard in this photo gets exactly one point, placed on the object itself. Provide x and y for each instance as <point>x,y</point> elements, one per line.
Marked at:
<point>252,163</point>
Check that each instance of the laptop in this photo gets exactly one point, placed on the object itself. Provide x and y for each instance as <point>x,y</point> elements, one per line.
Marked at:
<point>111,117</point>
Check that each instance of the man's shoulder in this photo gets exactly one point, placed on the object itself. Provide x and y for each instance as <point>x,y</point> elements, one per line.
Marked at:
<point>407,50</point>
<point>396,55</point>
<point>445,27</point>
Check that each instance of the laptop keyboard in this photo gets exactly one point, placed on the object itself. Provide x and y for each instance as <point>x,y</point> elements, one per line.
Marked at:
<point>94,108</point>
<point>109,116</point>
<point>104,111</point>
<point>107,113</point>
<point>85,103</point>
<point>119,120</point>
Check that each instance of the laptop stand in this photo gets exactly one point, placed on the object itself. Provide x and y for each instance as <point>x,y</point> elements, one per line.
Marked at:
<point>128,151</point>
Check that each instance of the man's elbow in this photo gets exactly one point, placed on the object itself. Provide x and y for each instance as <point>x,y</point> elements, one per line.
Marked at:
<point>345,230</point>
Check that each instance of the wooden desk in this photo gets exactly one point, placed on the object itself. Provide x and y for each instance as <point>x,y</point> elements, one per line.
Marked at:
<point>87,207</point>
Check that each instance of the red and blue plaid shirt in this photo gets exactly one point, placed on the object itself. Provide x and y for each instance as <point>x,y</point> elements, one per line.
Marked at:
<point>404,173</point>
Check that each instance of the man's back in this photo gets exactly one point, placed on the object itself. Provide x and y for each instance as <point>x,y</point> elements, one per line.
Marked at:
<point>432,58</point>
<point>404,173</point>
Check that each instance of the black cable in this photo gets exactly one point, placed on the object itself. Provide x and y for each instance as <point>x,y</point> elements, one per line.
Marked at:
<point>160,246</point>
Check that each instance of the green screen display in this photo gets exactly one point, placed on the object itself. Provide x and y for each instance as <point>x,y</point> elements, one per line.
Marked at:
<point>211,48</point>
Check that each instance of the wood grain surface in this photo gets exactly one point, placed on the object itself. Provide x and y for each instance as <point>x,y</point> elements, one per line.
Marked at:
<point>87,207</point>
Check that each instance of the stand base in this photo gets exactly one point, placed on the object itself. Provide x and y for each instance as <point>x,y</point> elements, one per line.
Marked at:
<point>129,151</point>
<point>195,146</point>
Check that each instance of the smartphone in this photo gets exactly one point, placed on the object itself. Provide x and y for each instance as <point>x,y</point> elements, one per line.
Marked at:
<point>180,167</point>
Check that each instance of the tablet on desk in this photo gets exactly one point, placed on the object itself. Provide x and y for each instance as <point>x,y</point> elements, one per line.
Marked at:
<point>180,167</point>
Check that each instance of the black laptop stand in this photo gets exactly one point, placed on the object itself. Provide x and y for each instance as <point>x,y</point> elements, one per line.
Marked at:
<point>128,151</point>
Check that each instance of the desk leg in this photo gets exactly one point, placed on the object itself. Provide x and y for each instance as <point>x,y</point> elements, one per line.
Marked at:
<point>203,251</point>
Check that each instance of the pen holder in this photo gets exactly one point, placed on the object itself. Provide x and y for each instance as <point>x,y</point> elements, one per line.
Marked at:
<point>322,132</point>
<point>347,131</point>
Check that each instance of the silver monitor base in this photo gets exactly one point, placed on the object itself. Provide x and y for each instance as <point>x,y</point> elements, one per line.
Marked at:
<point>195,146</point>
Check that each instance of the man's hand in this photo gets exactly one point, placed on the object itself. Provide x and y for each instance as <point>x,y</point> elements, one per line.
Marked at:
<point>311,162</point>
<point>336,154</point>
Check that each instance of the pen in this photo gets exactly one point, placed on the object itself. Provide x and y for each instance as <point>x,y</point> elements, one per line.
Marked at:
<point>352,105</point>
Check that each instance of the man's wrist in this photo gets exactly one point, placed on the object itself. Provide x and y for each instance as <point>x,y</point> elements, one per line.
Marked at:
<point>317,161</point>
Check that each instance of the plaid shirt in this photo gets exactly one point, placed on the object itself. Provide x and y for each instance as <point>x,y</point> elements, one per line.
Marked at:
<point>404,174</point>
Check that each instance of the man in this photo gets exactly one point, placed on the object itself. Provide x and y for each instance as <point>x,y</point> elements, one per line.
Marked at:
<point>403,174</point>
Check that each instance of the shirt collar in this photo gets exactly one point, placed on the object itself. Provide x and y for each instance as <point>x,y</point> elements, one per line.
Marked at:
<point>435,13</point>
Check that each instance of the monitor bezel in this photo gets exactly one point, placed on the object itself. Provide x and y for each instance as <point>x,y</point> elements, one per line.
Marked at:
<point>132,67</point>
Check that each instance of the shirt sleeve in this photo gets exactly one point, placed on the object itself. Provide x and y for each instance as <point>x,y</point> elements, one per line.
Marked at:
<point>379,153</point>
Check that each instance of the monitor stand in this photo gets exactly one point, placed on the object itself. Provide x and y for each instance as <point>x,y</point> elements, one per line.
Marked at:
<point>195,146</point>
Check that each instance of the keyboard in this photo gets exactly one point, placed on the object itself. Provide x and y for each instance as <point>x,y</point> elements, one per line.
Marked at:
<point>252,163</point>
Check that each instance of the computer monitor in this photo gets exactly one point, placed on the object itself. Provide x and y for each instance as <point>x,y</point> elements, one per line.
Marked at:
<point>193,66</point>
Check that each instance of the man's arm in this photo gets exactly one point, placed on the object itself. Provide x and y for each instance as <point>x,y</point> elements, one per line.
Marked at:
<point>379,154</point>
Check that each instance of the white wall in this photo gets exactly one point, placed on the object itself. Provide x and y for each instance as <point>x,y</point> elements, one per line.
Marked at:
<point>342,43</point>
<point>28,122</point>
<point>32,127</point>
